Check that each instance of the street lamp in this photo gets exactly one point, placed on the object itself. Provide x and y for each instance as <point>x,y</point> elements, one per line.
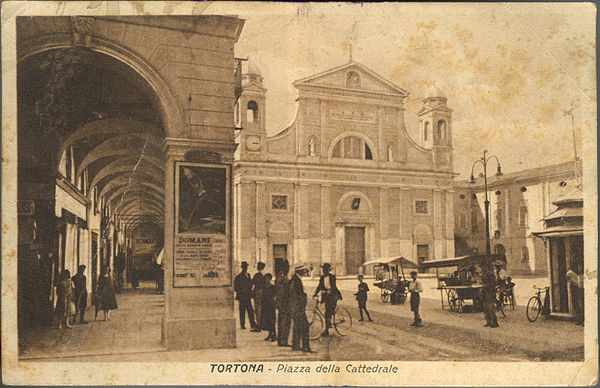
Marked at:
<point>484,161</point>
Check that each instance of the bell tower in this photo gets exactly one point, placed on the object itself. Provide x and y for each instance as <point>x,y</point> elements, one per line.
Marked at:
<point>250,116</point>
<point>435,119</point>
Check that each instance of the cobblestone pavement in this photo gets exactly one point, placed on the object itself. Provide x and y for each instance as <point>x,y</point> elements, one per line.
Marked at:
<point>133,334</point>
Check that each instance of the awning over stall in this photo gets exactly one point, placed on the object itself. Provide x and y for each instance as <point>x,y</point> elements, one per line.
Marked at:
<point>463,261</point>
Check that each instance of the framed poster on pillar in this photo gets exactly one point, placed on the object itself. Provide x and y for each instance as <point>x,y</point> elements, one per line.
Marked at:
<point>201,253</point>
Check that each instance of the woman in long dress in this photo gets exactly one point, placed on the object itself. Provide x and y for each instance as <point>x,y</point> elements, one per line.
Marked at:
<point>64,300</point>
<point>105,294</point>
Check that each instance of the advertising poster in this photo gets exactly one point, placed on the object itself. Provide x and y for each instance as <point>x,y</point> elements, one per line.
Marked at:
<point>201,253</point>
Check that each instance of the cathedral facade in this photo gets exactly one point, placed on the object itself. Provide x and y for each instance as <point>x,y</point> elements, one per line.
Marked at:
<point>344,183</point>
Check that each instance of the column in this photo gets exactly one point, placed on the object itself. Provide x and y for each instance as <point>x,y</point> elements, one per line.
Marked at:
<point>198,314</point>
<point>438,226</point>
<point>261,222</point>
<point>450,223</point>
<point>326,224</point>
<point>302,214</point>
<point>384,242</point>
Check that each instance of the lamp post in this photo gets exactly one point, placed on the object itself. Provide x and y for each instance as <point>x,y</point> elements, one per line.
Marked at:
<point>484,162</point>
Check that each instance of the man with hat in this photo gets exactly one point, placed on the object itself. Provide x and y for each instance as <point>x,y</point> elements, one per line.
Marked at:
<point>243,289</point>
<point>330,295</point>
<point>488,293</point>
<point>79,280</point>
<point>282,303</point>
<point>258,281</point>
<point>298,312</point>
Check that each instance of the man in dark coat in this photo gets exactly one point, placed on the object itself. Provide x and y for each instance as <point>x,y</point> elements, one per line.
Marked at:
<point>79,280</point>
<point>243,289</point>
<point>298,313</point>
<point>282,303</point>
<point>331,294</point>
<point>268,308</point>
<point>488,291</point>
<point>258,281</point>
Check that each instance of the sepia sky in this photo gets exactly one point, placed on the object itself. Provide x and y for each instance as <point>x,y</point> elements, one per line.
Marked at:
<point>508,70</point>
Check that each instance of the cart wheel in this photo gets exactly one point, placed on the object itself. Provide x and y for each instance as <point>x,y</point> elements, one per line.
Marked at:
<point>500,303</point>
<point>456,304</point>
<point>401,298</point>
<point>452,300</point>
<point>385,295</point>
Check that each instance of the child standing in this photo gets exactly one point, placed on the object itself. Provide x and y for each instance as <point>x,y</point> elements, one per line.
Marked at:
<point>361,297</point>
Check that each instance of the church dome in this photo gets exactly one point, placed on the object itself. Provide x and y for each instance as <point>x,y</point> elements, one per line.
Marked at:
<point>433,92</point>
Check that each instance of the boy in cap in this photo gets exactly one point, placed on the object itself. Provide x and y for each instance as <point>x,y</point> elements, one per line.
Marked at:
<point>361,297</point>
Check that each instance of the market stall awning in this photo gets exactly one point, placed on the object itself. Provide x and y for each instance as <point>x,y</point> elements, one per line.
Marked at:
<point>462,260</point>
<point>563,230</point>
<point>395,260</point>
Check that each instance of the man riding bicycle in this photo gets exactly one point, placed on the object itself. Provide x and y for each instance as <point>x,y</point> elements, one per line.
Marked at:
<point>329,294</point>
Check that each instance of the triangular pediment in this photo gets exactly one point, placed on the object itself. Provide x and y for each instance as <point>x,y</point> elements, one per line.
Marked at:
<point>438,108</point>
<point>253,86</point>
<point>352,76</point>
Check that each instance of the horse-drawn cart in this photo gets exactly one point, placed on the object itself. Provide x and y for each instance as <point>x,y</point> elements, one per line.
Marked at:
<point>386,270</point>
<point>464,284</point>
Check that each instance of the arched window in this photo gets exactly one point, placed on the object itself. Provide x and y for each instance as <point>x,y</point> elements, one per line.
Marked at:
<point>252,112</point>
<point>426,131</point>
<point>352,147</point>
<point>442,130</point>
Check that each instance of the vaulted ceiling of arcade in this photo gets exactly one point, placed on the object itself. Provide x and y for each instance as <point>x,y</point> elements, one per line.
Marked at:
<point>95,122</point>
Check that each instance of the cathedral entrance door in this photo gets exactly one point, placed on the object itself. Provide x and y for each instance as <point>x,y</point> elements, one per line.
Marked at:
<point>355,248</point>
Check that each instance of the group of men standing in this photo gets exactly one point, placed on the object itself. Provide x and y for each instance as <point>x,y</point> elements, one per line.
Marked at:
<point>277,308</point>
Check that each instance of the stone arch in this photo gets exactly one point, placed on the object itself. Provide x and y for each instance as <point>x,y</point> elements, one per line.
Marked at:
<point>350,194</point>
<point>115,146</point>
<point>423,231</point>
<point>172,112</point>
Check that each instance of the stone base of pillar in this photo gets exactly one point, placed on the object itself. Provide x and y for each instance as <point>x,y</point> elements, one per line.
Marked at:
<point>189,334</point>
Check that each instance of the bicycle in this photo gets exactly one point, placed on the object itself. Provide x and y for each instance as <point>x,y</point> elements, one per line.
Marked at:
<point>342,321</point>
<point>504,299</point>
<point>535,305</point>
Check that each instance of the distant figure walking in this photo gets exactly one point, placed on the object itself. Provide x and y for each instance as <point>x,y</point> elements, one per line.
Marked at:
<point>80,282</point>
<point>298,313</point>
<point>242,286</point>
<point>282,302</point>
<point>64,300</point>
<point>361,297</point>
<point>105,294</point>
<point>268,308</point>
<point>415,288</point>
